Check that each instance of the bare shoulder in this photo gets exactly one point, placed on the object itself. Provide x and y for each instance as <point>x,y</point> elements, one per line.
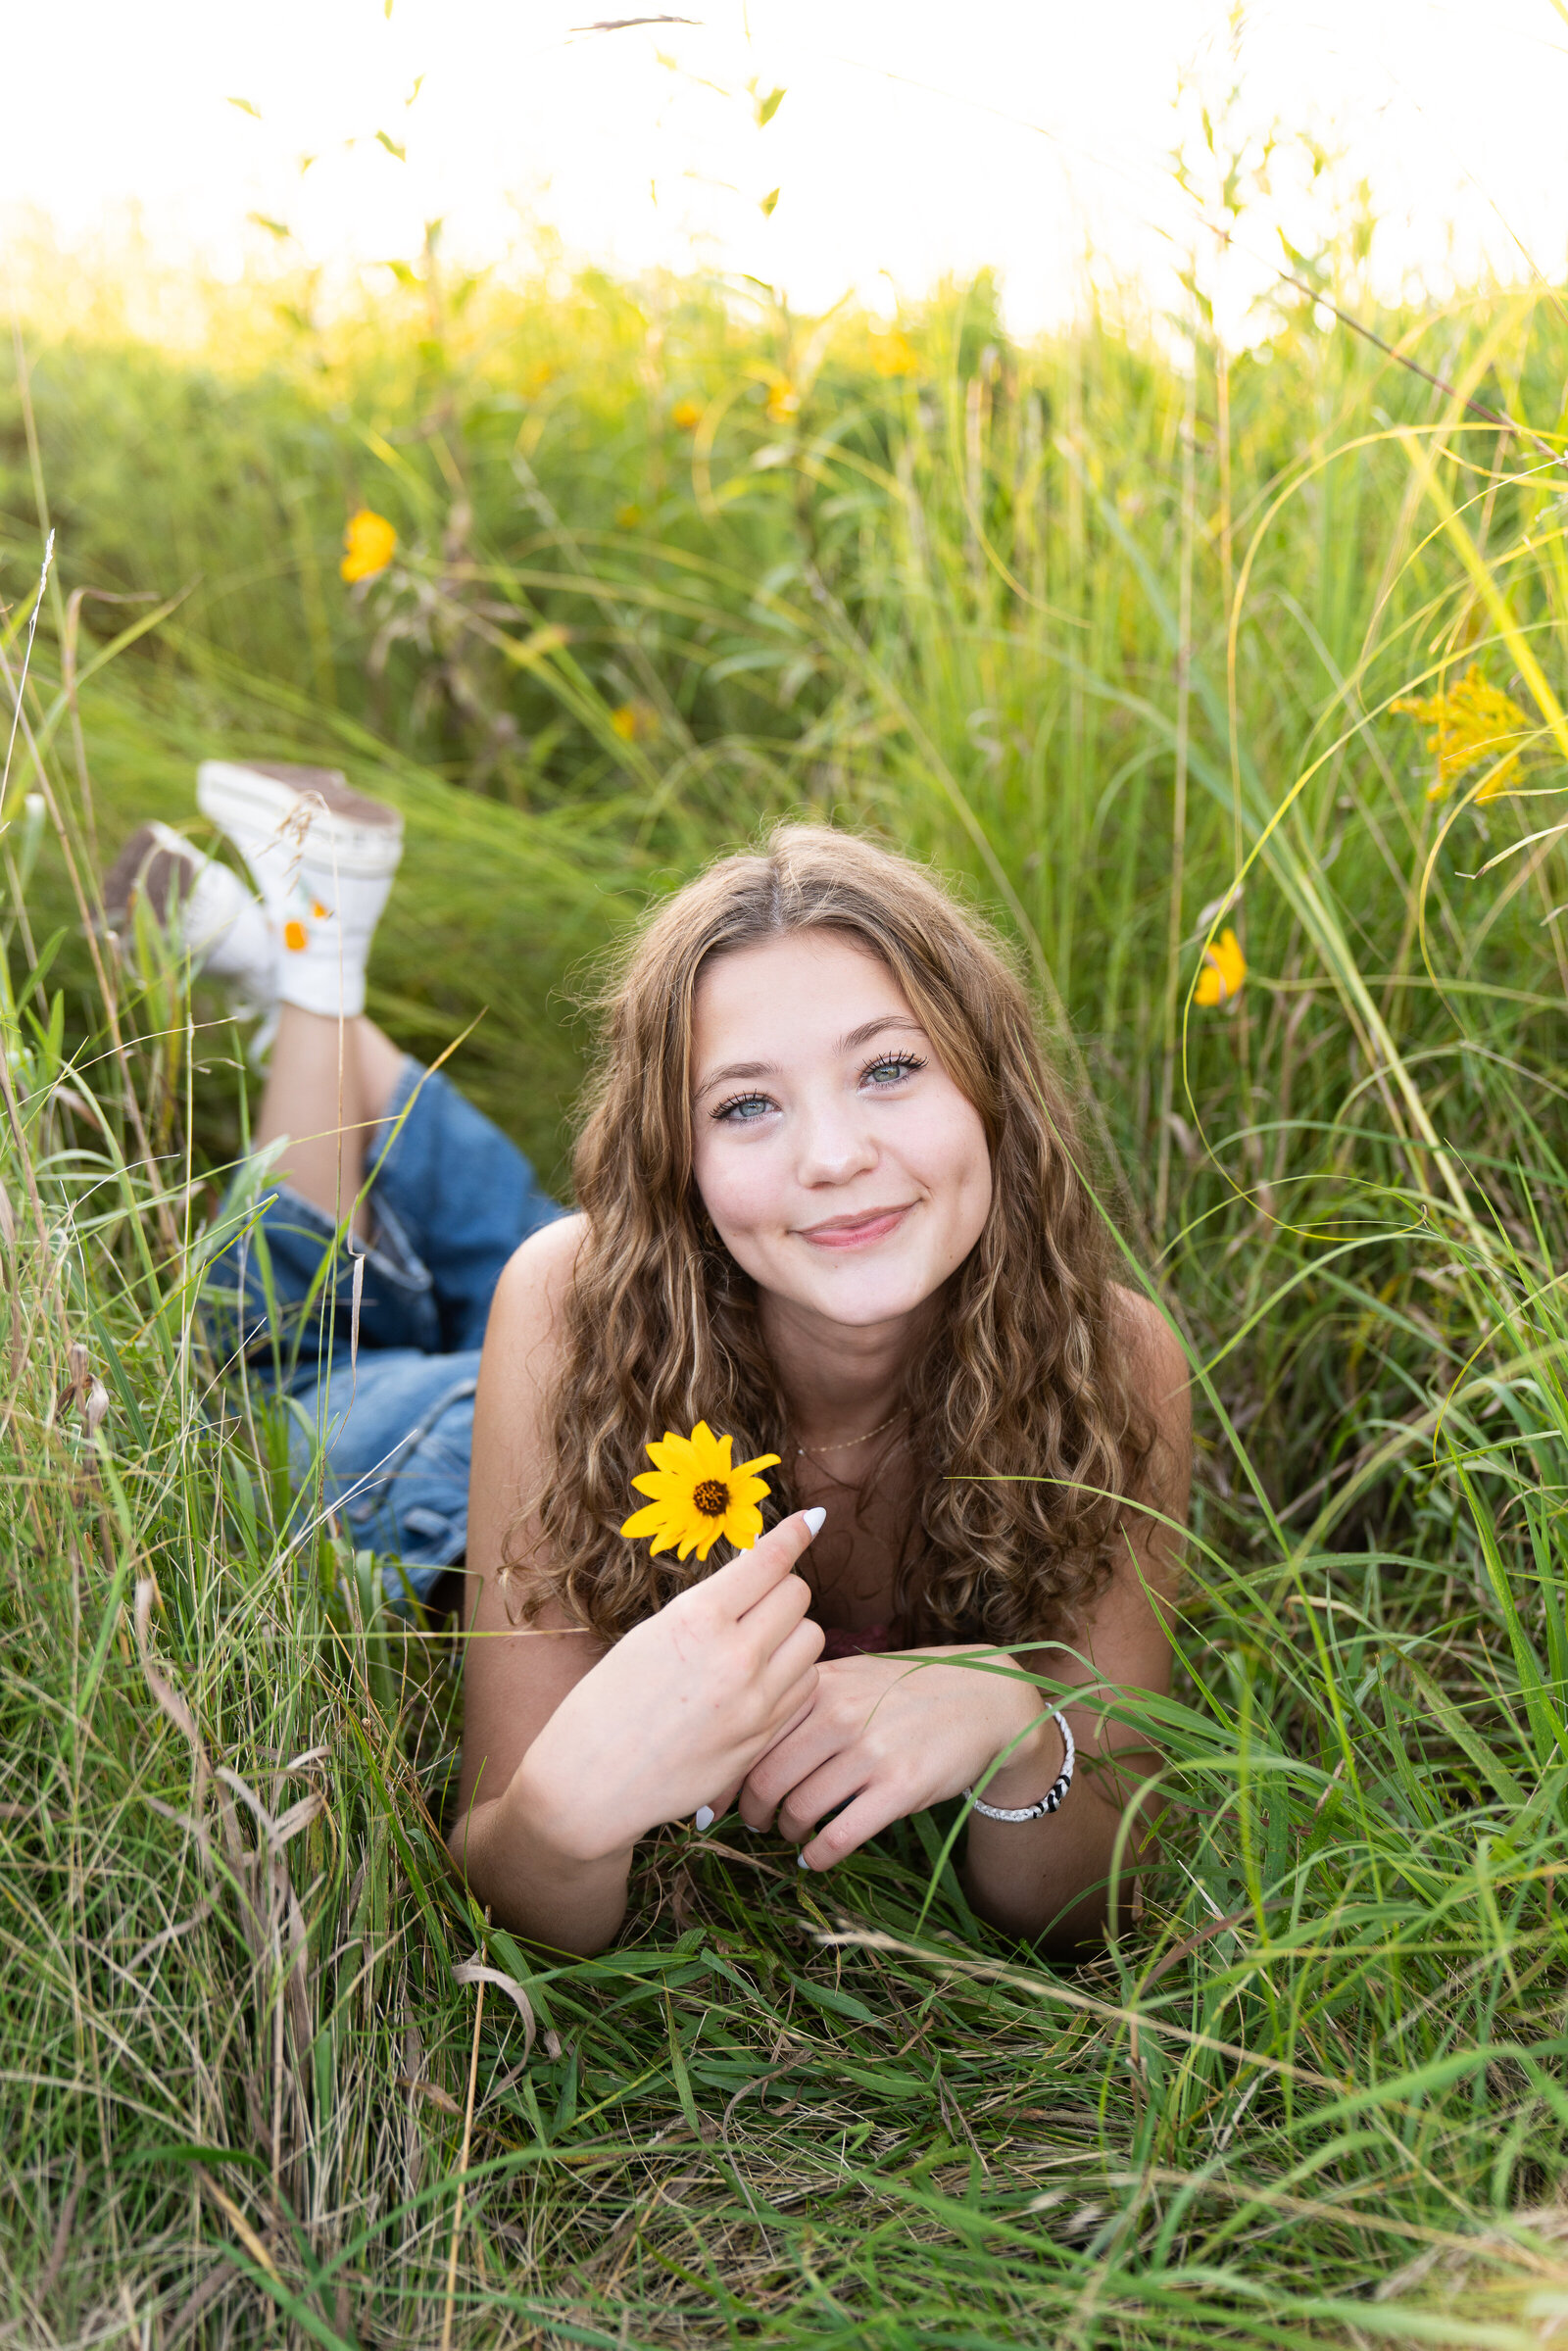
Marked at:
<point>535,1285</point>
<point>522,1345</point>
<point>1161,1377</point>
<point>523,1348</point>
<point>1149,1344</point>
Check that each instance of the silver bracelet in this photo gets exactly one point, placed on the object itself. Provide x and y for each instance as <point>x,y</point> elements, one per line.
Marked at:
<point>1051,1802</point>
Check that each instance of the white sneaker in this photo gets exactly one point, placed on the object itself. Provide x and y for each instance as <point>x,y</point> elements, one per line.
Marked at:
<point>322,856</point>
<point>205,907</point>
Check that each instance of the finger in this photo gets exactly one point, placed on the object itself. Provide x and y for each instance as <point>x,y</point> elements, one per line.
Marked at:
<point>718,1807</point>
<point>754,1810</point>
<point>792,1703</point>
<point>792,1708</point>
<point>872,1811</point>
<point>802,1748</point>
<point>774,1618</point>
<point>836,1783</point>
<point>796,1657</point>
<point>750,1578</point>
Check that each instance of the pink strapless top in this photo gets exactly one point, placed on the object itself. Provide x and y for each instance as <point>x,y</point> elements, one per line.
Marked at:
<point>864,1640</point>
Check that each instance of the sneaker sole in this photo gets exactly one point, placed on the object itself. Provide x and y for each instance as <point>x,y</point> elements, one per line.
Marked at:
<point>149,869</point>
<point>347,831</point>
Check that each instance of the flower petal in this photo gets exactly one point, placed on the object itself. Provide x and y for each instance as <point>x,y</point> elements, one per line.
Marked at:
<point>711,1453</point>
<point>651,1520</point>
<point>672,1454</point>
<point>675,1490</point>
<point>763,1461</point>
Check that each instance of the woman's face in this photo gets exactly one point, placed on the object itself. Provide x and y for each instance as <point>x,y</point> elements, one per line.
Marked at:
<point>840,1166</point>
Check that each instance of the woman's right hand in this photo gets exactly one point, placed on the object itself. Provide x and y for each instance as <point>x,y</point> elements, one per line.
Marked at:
<point>678,1711</point>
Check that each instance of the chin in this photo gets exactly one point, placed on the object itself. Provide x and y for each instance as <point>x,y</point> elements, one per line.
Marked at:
<point>862,1302</point>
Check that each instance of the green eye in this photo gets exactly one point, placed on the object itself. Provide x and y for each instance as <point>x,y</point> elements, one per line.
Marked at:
<point>888,1070</point>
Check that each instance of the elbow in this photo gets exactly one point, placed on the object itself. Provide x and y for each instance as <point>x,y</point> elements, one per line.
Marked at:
<point>565,1912</point>
<point>471,1849</point>
<point>1082,1930</point>
<point>463,1846</point>
<point>1078,1937</point>
<point>1065,1926</point>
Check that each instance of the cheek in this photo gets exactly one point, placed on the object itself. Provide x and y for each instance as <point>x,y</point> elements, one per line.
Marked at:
<point>734,1185</point>
<point>959,1165</point>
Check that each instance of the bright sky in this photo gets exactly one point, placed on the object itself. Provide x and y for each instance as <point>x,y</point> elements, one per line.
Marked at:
<point>914,138</point>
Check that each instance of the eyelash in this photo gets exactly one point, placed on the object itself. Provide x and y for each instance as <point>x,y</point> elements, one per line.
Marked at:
<point>905,1063</point>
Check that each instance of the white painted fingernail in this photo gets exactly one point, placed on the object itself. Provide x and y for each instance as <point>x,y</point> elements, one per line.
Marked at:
<point>801,1862</point>
<point>704,1817</point>
<point>815,1518</point>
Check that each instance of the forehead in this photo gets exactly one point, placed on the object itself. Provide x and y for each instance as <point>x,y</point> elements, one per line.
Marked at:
<point>783,995</point>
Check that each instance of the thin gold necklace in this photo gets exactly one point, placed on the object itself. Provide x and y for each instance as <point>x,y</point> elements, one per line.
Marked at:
<point>849,1443</point>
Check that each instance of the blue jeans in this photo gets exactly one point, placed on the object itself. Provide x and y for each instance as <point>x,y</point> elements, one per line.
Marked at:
<point>391,1409</point>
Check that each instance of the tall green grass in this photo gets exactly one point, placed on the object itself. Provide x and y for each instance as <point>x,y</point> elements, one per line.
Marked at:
<point>1109,637</point>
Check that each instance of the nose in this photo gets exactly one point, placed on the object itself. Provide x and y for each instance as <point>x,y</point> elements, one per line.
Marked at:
<point>833,1143</point>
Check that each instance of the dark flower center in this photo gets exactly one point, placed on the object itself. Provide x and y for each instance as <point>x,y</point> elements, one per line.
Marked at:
<point>712,1498</point>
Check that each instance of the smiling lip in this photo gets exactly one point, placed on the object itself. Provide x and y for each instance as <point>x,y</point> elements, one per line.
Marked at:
<point>854,1232</point>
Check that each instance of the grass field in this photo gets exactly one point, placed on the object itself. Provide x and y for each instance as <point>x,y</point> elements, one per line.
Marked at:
<point>1107,630</point>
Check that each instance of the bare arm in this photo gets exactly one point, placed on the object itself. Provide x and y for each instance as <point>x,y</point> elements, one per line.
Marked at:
<point>1051,1878</point>
<point>886,1738</point>
<point>571,1753</point>
<point>515,1677</point>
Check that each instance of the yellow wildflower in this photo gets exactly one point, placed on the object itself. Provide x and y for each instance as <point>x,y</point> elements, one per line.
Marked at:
<point>627,518</point>
<point>369,540</point>
<point>634,722</point>
<point>783,402</point>
<point>1224,971</point>
<point>893,354</point>
<point>687,415</point>
<point>698,1496</point>
<point>1471,722</point>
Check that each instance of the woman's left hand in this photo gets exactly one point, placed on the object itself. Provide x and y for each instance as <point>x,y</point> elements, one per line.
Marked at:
<point>889,1736</point>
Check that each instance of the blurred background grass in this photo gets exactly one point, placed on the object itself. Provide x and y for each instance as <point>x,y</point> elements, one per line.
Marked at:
<point>1112,626</point>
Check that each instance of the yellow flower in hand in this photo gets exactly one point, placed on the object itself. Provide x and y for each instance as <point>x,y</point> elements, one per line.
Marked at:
<point>698,1495</point>
<point>1224,971</point>
<point>369,540</point>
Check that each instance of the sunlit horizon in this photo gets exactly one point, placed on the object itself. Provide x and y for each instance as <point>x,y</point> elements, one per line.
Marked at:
<point>325,138</point>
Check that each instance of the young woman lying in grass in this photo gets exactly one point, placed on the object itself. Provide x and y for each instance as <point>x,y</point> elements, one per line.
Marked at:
<point>831,1207</point>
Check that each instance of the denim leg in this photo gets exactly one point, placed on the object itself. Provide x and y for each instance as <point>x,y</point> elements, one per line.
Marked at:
<point>450,1199</point>
<point>389,1419</point>
<point>280,1279</point>
<point>395,1433</point>
<point>461,1194</point>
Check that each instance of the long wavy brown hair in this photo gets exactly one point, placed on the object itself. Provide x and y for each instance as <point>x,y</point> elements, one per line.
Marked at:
<point>1022,1420</point>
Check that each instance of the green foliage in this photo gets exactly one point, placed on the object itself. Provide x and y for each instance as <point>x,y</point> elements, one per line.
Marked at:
<point>1107,641</point>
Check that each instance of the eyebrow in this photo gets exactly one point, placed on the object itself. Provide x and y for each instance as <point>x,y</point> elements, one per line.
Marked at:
<point>846,1044</point>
